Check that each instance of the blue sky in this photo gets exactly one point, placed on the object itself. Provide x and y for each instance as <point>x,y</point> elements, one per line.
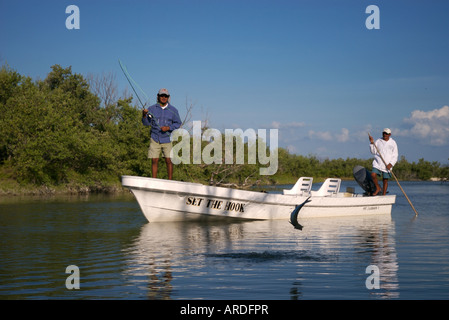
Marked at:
<point>310,69</point>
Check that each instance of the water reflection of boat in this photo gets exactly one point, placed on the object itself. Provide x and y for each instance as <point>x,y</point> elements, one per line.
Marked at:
<point>372,239</point>
<point>167,200</point>
<point>180,260</point>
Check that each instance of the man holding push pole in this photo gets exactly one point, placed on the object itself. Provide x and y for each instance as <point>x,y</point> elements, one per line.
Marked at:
<point>384,161</point>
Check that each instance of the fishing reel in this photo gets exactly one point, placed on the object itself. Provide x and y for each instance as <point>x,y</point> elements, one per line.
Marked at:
<point>146,114</point>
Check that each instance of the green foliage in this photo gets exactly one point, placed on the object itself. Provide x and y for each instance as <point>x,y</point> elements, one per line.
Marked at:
<point>55,132</point>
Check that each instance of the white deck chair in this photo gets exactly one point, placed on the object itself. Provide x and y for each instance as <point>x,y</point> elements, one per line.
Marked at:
<point>330,186</point>
<point>301,187</point>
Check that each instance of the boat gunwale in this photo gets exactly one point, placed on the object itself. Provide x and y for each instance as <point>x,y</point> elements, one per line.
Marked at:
<point>256,194</point>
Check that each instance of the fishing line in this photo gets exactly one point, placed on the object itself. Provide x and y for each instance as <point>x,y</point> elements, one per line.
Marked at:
<point>131,81</point>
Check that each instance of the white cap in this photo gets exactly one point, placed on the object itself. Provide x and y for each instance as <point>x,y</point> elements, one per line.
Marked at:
<point>163,91</point>
<point>387,130</point>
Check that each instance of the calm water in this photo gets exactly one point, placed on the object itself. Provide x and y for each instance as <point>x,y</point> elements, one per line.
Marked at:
<point>121,256</point>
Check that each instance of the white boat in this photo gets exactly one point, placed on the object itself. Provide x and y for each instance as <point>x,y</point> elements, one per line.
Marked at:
<point>169,200</point>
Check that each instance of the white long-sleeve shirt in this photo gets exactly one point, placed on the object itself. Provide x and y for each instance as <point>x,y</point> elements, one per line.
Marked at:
<point>388,150</point>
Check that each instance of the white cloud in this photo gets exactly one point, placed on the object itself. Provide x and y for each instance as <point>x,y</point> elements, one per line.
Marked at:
<point>290,132</point>
<point>343,136</point>
<point>320,135</point>
<point>289,125</point>
<point>362,135</point>
<point>275,124</point>
<point>430,126</point>
<point>328,136</point>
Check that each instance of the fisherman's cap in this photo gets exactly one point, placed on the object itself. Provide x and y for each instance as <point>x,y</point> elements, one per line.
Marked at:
<point>387,130</point>
<point>163,91</point>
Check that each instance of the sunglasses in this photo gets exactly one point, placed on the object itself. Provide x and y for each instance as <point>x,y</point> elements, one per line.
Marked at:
<point>386,133</point>
<point>164,96</point>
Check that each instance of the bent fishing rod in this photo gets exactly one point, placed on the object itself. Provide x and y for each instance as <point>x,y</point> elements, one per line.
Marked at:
<point>130,80</point>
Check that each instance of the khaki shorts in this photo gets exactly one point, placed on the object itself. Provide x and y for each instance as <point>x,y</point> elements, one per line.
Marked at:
<point>155,149</point>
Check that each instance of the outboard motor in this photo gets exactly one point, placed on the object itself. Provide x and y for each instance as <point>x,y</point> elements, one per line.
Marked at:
<point>363,178</point>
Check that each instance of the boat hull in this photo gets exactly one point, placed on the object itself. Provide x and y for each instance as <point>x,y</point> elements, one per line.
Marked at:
<point>167,200</point>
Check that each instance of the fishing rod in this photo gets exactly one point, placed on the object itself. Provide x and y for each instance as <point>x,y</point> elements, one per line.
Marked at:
<point>130,81</point>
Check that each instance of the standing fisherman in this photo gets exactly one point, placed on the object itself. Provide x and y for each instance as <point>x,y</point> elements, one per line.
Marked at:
<point>163,119</point>
<point>388,149</point>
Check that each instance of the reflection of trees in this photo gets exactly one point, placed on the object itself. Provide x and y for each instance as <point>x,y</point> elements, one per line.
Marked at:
<point>164,247</point>
<point>159,284</point>
<point>295,293</point>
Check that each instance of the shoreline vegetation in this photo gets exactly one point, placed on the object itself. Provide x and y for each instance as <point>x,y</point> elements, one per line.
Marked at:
<point>70,134</point>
